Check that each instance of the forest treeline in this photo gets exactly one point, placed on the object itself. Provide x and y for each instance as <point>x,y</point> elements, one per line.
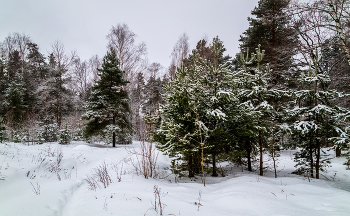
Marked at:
<point>287,88</point>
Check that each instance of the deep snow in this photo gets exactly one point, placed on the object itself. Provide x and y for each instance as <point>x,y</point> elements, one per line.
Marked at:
<point>23,169</point>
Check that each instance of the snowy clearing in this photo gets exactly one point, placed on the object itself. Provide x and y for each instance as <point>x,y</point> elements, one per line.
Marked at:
<point>51,179</point>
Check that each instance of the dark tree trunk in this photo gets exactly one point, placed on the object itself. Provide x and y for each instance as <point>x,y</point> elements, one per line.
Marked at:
<point>249,156</point>
<point>59,111</point>
<point>113,132</point>
<point>214,166</point>
<point>190,165</point>
<point>318,155</point>
<point>311,161</point>
<point>337,152</point>
<point>274,162</point>
<point>261,155</point>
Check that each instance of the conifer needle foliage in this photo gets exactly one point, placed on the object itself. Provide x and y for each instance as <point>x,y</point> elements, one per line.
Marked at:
<point>108,109</point>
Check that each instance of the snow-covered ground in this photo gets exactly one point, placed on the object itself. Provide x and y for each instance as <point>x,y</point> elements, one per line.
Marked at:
<point>31,184</point>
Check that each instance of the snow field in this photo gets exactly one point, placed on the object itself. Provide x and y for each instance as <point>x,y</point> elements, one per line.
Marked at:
<point>239,193</point>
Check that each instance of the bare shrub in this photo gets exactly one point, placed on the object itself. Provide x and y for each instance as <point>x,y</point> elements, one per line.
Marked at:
<point>55,165</point>
<point>92,183</point>
<point>49,151</point>
<point>199,200</point>
<point>100,175</point>
<point>158,205</point>
<point>146,159</point>
<point>67,175</point>
<point>58,177</point>
<point>36,189</point>
<point>116,170</point>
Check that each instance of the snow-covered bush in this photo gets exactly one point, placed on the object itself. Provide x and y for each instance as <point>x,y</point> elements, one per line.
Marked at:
<point>49,132</point>
<point>65,136</point>
<point>3,135</point>
<point>77,134</point>
<point>40,135</point>
<point>16,137</point>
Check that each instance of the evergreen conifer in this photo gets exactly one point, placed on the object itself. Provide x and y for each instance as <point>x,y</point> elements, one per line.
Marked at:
<point>108,105</point>
<point>271,28</point>
<point>316,119</point>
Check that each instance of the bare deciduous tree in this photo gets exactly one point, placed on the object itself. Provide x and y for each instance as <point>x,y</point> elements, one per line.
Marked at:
<point>81,78</point>
<point>333,17</point>
<point>317,29</point>
<point>154,70</point>
<point>179,54</point>
<point>94,63</point>
<point>16,41</point>
<point>132,56</point>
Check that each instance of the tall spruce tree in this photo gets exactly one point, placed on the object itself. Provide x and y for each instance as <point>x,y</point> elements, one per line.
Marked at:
<point>15,91</point>
<point>108,109</point>
<point>15,101</point>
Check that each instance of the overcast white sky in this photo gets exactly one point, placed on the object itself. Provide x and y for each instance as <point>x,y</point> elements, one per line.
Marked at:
<point>83,24</point>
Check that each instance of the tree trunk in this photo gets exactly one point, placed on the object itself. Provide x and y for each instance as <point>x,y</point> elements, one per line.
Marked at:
<point>59,111</point>
<point>261,155</point>
<point>249,156</point>
<point>113,132</point>
<point>337,152</point>
<point>190,165</point>
<point>214,166</point>
<point>311,161</point>
<point>318,155</point>
<point>274,163</point>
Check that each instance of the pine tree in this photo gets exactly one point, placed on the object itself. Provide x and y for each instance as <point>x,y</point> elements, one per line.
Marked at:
<point>316,119</point>
<point>178,133</point>
<point>198,98</point>
<point>271,29</point>
<point>108,106</point>
<point>262,123</point>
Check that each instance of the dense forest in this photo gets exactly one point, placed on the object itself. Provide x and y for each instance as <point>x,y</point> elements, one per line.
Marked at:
<point>288,88</point>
